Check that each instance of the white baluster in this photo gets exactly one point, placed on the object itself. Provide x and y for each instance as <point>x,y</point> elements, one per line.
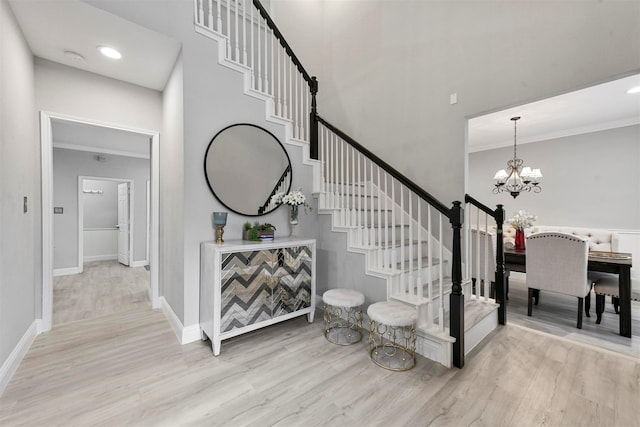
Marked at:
<point>354,194</point>
<point>486,258</point>
<point>360,233</point>
<point>236,32</point>
<point>430,310</point>
<point>279,90</point>
<point>372,230</point>
<point>285,58</point>
<point>301,116</point>
<point>259,50</point>
<point>394,257</point>
<point>381,244</point>
<point>440,276</point>
<point>228,34</point>
<point>402,258</point>
<point>342,186</point>
<point>272,92</point>
<point>210,15</point>
<point>347,217</point>
<point>387,243</point>
<point>336,189</point>
<point>419,278</point>
<point>295,101</point>
<point>219,16</point>
<point>244,33</point>
<point>410,241</point>
<point>253,58</point>
<point>199,8</point>
<point>265,86</point>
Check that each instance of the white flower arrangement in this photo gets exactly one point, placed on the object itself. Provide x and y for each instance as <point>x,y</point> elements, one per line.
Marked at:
<point>522,220</point>
<point>293,198</point>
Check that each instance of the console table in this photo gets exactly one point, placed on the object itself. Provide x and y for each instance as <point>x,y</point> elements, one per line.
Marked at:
<point>246,285</point>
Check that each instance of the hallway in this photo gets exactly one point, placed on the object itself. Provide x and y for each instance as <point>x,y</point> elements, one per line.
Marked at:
<point>104,288</point>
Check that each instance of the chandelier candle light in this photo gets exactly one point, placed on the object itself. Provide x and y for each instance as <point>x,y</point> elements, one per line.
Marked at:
<point>517,178</point>
<point>294,199</point>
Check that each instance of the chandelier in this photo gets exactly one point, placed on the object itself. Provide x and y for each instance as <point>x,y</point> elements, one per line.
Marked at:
<point>516,178</point>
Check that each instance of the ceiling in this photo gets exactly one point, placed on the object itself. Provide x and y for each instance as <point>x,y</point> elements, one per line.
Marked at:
<point>53,27</point>
<point>99,139</point>
<point>600,107</point>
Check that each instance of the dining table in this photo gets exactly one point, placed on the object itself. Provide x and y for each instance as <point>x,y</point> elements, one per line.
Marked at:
<point>602,262</point>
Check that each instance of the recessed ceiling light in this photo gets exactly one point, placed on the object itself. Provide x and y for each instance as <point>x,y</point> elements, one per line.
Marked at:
<point>74,56</point>
<point>634,90</point>
<point>109,52</point>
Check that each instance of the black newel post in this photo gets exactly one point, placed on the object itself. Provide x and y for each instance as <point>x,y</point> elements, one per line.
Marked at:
<point>313,120</point>
<point>456,299</point>
<point>501,285</point>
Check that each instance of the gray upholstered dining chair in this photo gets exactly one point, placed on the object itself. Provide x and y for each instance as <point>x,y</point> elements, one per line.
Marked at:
<point>557,262</point>
<point>607,285</point>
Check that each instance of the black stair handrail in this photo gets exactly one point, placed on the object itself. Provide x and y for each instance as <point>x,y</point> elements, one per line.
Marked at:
<point>283,42</point>
<point>500,275</point>
<point>262,208</point>
<point>441,207</point>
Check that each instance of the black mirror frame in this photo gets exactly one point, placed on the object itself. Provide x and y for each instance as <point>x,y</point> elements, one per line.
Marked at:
<point>206,154</point>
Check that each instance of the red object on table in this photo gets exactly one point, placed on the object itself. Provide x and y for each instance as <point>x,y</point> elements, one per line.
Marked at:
<point>520,240</point>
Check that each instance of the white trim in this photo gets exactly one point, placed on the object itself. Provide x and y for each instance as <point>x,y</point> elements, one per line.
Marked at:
<point>138,263</point>
<point>46,144</point>
<point>10,366</point>
<point>81,228</point>
<point>184,335</point>
<point>148,223</point>
<point>109,257</point>
<point>100,150</point>
<point>65,272</point>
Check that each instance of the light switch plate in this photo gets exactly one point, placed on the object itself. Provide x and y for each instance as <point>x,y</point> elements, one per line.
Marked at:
<point>58,210</point>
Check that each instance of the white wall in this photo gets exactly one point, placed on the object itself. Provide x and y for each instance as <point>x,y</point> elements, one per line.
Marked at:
<point>100,203</point>
<point>68,165</point>
<point>386,68</point>
<point>20,241</point>
<point>590,180</point>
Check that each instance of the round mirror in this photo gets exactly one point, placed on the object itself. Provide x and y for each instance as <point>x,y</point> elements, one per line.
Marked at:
<point>244,166</point>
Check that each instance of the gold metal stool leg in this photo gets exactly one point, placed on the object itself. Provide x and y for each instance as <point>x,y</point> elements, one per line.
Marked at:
<point>392,347</point>
<point>342,325</point>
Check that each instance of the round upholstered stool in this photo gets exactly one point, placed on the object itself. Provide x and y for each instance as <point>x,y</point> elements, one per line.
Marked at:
<point>342,316</point>
<point>392,335</point>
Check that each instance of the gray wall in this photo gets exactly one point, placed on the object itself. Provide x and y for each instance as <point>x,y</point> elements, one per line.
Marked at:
<point>213,99</point>
<point>386,68</point>
<point>100,210</point>
<point>67,166</point>
<point>20,238</point>
<point>590,180</point>
<point>171,268</point>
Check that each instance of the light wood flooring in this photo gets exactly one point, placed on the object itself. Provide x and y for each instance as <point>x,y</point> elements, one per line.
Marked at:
<point>128,369</point>
<point>557,315</point>
<point>103,288</point>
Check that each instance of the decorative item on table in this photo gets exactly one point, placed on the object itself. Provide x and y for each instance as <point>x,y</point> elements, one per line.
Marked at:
<point>258,232</point>
<point>219,221</point>
<point>520,221</point>
<point>516,178</point>
<point>294,199</point>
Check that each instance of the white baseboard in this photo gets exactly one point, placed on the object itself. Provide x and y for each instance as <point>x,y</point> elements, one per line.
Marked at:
<point>184,335</point>
<point>108,257</point>
<point>139,263</point>
<point>10,366</point>
<point>66,271</point>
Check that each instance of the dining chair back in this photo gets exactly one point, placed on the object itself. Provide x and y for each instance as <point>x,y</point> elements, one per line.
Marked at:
<point>557,262</point>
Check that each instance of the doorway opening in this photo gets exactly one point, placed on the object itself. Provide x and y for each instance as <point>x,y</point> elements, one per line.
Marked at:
<point>142,254</point>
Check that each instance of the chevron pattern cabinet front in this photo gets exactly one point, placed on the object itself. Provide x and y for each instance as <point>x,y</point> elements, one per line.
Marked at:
<point>246,286</point>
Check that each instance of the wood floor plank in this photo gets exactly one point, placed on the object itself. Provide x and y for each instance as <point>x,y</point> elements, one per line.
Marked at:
<point>127,368</point>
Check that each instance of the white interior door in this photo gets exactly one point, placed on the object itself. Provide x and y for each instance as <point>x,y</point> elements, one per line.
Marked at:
<point>123,223</point>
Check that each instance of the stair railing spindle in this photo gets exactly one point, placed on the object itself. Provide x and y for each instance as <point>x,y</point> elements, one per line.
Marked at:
<point>394,253</point>
<point>485,279</point>
<point>244,32</point>
<point>253,58</point>
<point>359,213</point>
<point>410,242</point>
<point>388,244</point>
<point>354,193</point>
<point>265,85</point>
<point>237,39</point>
<point>430,310</point>
<point>228,34</point>
<point>419,240</point>
<point>477,255</point>
<point>402,258</point>
<point>440,276</point>
<point>381,244</point>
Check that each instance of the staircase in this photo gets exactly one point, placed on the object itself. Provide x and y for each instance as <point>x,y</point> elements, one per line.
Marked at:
<point>400,230</point>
